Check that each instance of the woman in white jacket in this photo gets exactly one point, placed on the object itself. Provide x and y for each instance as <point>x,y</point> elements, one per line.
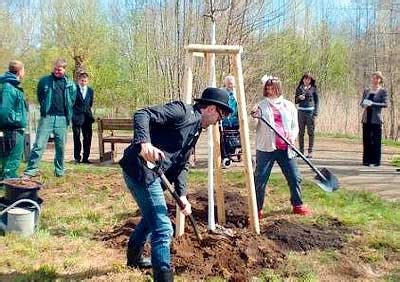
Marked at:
<point>282,114</point>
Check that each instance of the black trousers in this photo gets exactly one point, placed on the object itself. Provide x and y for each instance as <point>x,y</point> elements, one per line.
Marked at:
<point>372,141</point>
<point>86,129</point>
<point>306,119</point>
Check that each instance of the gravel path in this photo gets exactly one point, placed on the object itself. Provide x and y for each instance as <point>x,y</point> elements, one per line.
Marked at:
<point>341,156</point>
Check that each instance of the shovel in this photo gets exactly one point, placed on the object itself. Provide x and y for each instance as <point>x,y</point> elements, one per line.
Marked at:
<point>175,195</point>
<point>324,178</point>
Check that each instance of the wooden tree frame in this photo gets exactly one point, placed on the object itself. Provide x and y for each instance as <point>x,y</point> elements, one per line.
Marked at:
<point>206,51</point>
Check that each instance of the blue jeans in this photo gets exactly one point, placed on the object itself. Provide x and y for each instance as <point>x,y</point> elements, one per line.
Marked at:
<point>154,223</point>
<point>265,162</point>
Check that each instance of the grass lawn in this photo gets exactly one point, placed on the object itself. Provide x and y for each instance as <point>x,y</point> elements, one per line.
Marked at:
<point>396,160</point>
<point>91,199</point>
<point>387,142</point>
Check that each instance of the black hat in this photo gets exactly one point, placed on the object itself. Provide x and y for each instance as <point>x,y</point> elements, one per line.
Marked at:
<point>215,96</point>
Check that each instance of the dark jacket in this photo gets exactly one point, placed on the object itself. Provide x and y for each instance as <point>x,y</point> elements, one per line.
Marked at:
<point>45,89</point>
<point>174,128</point>
<point>82,109</point>
<point>311,98</point>
<point>13,106</point>
<point>376,113</point>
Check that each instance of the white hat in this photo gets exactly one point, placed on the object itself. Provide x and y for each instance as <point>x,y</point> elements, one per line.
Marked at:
<point>267,77</point>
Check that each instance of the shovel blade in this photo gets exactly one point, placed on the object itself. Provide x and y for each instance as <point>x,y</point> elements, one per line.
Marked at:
<point>330,183</point>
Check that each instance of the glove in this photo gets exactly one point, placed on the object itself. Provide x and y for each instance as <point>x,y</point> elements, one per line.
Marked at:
<point>363,103</point>
<point>366,103</point>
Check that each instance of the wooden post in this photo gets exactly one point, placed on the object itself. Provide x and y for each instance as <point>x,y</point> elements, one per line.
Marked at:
<point>216,49</point>
<point>188,87</point>
<point>112,150</point>
<point>244,139</point>
<point>100,136</point>
<point>216,146</point>
<point>187,90</point>
<point>219,191</point>
<point>234,51</point>
<point>188,81</point>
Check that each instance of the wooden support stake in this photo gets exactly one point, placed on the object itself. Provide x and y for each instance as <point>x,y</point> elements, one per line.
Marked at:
<point>235,51</point>
<point>188,80</point>
<point>216,49</point>
<point>198,54</point>
<point>180,222</point>
<point>245,141</point>
<point>219,193</point>
<point>187,88</point>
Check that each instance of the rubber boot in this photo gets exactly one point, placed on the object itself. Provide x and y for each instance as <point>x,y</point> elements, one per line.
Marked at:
<point>163,276</point>
<point>135,258</point>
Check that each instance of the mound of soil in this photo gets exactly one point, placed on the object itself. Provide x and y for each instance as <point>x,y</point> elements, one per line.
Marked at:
<point>300,237</point>
<point>239,253</point>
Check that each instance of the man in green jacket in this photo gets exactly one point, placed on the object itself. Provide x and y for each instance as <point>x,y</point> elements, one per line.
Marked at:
<point>56,94</point>
<point>13,116</point>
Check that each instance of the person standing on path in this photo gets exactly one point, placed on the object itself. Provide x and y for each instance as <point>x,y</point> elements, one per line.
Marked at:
<point>82,119</point>
<point>13,119</point>
<point>282,114</point>
<point>374,98</point>
<point>165,135</point>
<point>232,121</point>
<point>307,101</point>
<point>56,95</point>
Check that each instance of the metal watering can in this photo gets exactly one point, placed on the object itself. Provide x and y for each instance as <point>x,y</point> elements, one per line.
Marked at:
<point>20,220</point>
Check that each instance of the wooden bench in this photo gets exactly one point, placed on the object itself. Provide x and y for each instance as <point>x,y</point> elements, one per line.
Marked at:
<point>110,125</point>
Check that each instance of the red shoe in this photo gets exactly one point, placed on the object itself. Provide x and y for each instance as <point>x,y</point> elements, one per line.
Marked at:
<point>301,210</point>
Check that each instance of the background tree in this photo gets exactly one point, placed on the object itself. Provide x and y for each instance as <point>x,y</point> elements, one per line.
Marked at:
<point>134,49</point>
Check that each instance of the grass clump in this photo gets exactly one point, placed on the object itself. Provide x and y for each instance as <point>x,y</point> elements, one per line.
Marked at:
<point>396,160</point>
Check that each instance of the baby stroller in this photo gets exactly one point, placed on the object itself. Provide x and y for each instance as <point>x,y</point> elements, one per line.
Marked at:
<point>231,150</point>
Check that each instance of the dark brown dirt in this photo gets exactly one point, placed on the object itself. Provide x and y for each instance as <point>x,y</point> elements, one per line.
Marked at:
<point>300,237</point>
<point>245,253</point>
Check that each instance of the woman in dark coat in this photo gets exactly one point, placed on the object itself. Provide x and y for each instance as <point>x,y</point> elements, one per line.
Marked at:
<point>374,98</point>
<point>307,101</point>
